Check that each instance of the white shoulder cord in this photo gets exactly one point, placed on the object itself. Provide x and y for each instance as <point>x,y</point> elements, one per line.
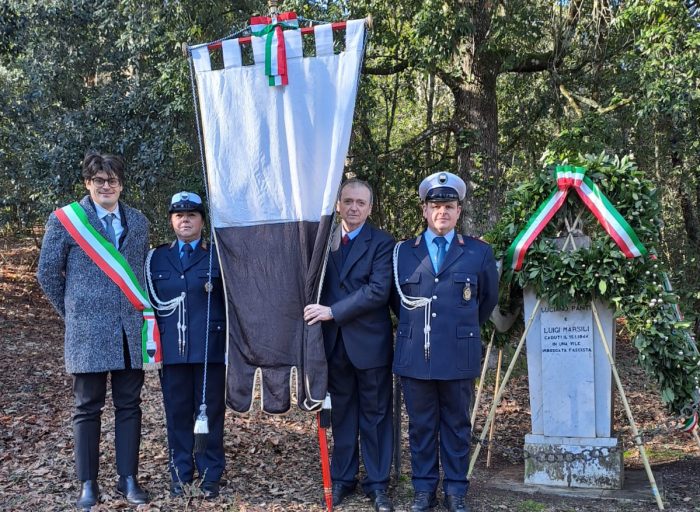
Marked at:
<point>411,303</point>
<point>168,307</point>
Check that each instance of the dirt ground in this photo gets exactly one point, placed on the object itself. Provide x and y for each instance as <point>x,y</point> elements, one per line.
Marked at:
<point>272,461</point>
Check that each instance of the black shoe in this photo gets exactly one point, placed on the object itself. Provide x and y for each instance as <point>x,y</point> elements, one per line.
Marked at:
<point>455,503</point>
<point>177,488</point>
<point>340,492</point>
<point>210,490</point>
<point>89,494</point>
<point>129,487</point>
<point>381,500</point>
<point>423,501</point>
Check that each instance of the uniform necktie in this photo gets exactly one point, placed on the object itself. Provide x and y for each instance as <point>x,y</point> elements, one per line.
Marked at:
<point>186,253</point>
<point>441,242</point>
<point>111,236</point>
<point>346,239</point>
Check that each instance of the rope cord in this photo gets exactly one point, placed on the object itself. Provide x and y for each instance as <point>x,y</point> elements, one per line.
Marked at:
<point>412,303</point>
<point>209,287</point>
<point>168,306</point>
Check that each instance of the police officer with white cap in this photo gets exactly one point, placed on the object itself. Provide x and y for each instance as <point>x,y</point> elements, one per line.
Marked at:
<point>181,290</point>
<point>447,286</point>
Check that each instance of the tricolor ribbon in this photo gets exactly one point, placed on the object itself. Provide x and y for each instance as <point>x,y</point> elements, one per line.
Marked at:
<point>275,51</point>
<point>575,177</point>
<point>690,424</point>
<point>112,263</point>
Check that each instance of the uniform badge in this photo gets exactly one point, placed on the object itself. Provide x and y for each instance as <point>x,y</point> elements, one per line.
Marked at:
<point>208,287</point>
<point>467,292</point>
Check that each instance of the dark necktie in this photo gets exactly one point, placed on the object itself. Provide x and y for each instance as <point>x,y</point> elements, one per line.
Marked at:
<point>186,254</point>
<point>111,236</point>
<point>441,242</point>
<point>346,239</point>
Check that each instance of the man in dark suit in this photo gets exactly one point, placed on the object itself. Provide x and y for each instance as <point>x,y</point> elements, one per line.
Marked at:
<point>357,336</point>
<point>447,286</point>
<point>192,322</point>
<point>103,328</point>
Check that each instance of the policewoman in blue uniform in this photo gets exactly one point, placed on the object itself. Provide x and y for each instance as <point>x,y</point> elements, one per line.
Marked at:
<point>447,286</point>
<point>179,285</point>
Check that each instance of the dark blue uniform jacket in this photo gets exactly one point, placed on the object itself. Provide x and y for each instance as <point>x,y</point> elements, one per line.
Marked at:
<point>464,293</point>
<point>169,280</point>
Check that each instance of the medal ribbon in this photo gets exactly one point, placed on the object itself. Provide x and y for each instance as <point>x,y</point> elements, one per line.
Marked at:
<point>112,263</point>
<point>610,219</point>
<point>275,50</point>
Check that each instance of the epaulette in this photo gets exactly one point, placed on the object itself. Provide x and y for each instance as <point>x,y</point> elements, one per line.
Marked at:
<point>479,239</point>
<point>417,242</point>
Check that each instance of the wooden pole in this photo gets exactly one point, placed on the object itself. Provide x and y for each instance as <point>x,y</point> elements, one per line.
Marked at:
<point>493,423</point>
<point>481,379</point>
<point>628,411</point>
<point>696,437</point>
<point>325,464</point>
<point>497,400</point>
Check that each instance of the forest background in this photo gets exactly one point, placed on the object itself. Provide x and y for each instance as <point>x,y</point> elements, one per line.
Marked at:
<point>479,87</point>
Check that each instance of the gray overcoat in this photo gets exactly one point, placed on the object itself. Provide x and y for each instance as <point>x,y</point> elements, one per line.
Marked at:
<point>96,312</point>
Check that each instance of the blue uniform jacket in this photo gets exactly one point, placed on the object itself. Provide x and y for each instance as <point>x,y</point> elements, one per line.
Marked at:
<point>464,293</point>
<point>169,280</point>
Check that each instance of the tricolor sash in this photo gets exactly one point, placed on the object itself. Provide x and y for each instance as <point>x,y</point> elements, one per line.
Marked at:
<point>613,223</point>
<point>112,263</point>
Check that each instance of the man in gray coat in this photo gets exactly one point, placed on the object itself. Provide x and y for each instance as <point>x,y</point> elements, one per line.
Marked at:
<point>103,329</point>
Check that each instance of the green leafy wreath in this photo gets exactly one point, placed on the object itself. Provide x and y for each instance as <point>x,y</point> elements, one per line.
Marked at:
<point>637,288</point>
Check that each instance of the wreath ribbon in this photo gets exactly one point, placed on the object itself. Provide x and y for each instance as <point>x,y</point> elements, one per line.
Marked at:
<point>275,50</point>
<point>613,223</point>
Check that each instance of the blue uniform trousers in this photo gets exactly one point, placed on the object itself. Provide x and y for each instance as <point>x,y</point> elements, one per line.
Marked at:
<point>182,394</point>
<point>361,404</point>
<point>438,412</point>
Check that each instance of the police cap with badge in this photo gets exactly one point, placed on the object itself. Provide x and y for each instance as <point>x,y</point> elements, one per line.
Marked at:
<point>186,202</point>
<point>442,187</point>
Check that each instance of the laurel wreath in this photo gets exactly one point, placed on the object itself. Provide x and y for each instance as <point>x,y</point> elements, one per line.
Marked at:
<point>637,289</point>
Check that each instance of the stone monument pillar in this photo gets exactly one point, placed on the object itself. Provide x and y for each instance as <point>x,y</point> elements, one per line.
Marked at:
<point>570,398</point>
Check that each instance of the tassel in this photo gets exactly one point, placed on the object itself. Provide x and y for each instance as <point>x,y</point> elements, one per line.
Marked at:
<point>201,430</point>
<point>324,419</point>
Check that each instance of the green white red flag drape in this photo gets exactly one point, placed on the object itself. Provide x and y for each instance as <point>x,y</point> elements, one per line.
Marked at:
<point>272,29</point>
<point>613,223</point>
<point>112,263</point>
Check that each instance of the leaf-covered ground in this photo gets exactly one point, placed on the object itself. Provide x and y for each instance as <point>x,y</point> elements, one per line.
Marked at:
<point>273,461</point>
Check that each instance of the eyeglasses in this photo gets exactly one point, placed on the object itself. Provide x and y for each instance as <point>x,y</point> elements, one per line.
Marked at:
<point>100,182</point>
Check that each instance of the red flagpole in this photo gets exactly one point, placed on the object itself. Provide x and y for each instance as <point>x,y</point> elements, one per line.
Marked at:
<point>325,464</point>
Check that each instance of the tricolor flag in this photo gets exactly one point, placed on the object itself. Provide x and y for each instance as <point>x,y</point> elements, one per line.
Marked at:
<point>275,157</point>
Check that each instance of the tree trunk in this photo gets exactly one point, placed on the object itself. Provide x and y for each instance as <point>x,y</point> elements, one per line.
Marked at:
<point>476,131</point>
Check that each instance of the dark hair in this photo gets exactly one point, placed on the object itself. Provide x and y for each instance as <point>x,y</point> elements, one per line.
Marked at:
<point>95,162</point>
<point>357,181</point>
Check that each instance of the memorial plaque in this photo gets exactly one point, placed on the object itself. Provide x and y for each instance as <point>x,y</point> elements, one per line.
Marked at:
<point>568,373</point>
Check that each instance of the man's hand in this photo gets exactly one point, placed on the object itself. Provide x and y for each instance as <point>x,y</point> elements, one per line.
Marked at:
<point>317,313</point>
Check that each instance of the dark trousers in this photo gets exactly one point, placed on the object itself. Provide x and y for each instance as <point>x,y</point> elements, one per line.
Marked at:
<point>182,396</point>
<point>89,391</point>
<point>361,404</point>
<point>438,416</point>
